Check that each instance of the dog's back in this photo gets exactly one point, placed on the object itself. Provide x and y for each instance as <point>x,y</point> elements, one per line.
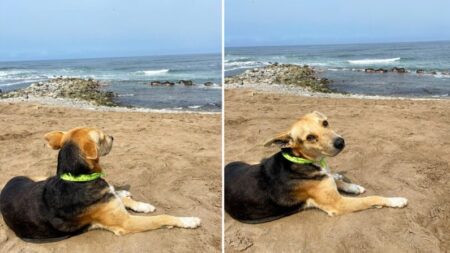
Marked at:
<point>250,193</point>
<point>48,209</point>
<point>22,208</point>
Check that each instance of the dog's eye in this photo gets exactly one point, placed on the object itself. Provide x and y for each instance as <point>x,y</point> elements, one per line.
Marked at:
<point>325,123</point>
<point>311,138</point>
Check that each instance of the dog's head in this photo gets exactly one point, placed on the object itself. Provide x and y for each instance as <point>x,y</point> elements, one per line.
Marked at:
<point>310,137</point>
<point>88,143</point>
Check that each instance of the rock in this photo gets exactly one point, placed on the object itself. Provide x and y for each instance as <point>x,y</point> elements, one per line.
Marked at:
<point>434,72</point>
<point>186,82</point>
<point>398,70</point>
<point>420,71</point>
<point>371,70</point>
<point>324,81</point>
<point>73,88</point>
<point>290,74</point>
<point>208,84</point>
<point>167,83</point>
<point>155,83</point>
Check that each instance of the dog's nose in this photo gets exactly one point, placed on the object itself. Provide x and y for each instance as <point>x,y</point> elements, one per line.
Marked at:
<point>339,143</point>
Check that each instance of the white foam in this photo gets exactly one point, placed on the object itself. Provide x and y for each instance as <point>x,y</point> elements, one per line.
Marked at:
<point>19,82</point>
<point>194,106</point>
<point>244,64</point>
<point>156,72</point>
<point>441,75</point>
<point>374,61</point>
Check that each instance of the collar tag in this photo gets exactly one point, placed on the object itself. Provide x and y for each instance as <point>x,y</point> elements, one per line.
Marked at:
<point>82,177</point>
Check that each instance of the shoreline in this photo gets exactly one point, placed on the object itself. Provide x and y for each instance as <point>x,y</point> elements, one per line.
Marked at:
<point>299,91</point>
<point>84,105</point>
<point>80,93</point>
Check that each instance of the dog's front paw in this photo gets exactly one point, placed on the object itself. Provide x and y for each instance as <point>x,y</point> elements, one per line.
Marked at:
<point>142,207</point>
<point>398,202</point>
<point>189,222</point>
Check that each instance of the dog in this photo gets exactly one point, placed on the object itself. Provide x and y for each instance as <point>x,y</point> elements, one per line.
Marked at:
<point>78,198</point>
<point>296,178</point>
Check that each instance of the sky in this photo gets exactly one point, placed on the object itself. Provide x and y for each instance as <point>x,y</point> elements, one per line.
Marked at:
<point>64,29</point>
<point>306,22</point>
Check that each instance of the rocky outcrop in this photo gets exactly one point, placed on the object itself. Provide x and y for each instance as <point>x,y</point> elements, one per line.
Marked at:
<point>186,82</point>
<point>398,70</point>
<point>208,84</point>
<point>159,83</point>
<point>73,88</point>
<point>420,71</point>
<point>371,70</point>
<point>303,76</point>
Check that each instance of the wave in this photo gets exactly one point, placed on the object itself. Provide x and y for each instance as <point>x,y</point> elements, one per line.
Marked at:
<point>157,72</point>
<point>374,61</point>
<point>244,64</point>
<point>26,81</point>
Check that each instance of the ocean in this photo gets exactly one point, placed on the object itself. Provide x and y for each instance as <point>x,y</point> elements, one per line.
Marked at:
<point>345,65</point>
<point>130,77</point>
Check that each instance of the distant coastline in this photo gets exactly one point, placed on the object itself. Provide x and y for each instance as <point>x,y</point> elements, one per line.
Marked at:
<point>170,83</point>
<point>419,69</point>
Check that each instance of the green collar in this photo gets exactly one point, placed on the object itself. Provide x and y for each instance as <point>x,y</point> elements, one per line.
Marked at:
<point>300,160</point>
<point>82,177</point>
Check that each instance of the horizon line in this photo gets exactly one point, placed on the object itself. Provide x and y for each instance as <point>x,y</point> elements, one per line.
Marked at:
<point>110,57</point>
<point>344,43</point>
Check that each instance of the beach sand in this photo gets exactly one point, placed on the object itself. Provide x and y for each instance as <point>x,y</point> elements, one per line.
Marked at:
<point>169,160</point>
<point>394,148</point>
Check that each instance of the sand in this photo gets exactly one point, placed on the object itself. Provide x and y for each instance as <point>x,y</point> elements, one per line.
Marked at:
<point>394,148</point>
<point>169,160</point>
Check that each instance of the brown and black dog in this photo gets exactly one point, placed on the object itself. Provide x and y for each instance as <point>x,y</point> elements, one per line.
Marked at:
<point>75,200</point>
<point>296,178</point>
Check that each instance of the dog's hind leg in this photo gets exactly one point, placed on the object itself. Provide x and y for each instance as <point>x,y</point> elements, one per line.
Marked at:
<point>137,206</point>
<point>349,187</point>
<point>325,196</point>
<point>112,216</point>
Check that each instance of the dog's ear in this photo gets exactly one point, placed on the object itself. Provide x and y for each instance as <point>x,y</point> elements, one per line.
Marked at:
<point>283,140</point>
<point>90,150</point>
<point>319,115</point>
<point>54,139</point>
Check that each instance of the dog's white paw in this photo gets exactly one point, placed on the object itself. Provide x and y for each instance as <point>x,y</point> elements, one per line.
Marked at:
<point>190,222</point>
<point>358,189</point>
<point>337,176</point>
<point>142,207</point>
<point>123,194</point>
<point>398,202</point>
